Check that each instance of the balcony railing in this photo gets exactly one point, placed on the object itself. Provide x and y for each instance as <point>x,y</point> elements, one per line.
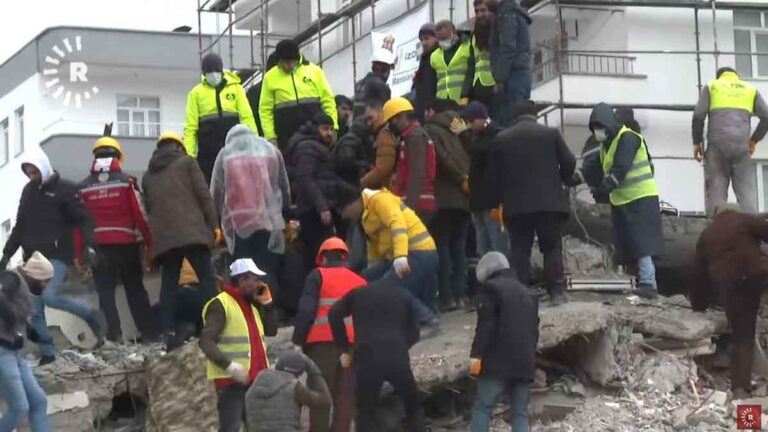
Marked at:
<point>583,64</point>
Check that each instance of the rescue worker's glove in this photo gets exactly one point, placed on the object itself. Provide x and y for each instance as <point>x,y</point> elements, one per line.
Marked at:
<point>4,262</point>
<point>475,366</point>
<point>346,360</point>
<point>218,238</point>
<point>401,266</point>
<point>238,372</point>
<point>264,295</point>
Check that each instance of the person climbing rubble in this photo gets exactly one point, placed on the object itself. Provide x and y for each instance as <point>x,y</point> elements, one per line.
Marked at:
<point>275,400</point>
<point>232,339</point>
<point>115,204</point>
<point>23,395</point>
<point>385,329</point>
<point>503,355</point>
<point>730,270</point>
<point>325,285</point>
<point>49,210</point>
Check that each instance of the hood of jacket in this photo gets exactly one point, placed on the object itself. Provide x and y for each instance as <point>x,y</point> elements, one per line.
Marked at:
<point>361,129</point>
<point>164,156</point>
<point>271,382</point>
<point>443,119</point>
<point>39,160</point>
<point>514,7</point>
<point>228,76</point>
<point>603,115</point>
<point>242,137</point>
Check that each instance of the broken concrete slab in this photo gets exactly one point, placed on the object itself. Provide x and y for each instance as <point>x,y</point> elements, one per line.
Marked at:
<point>664,320</point>
<point>665,373</point>
<point>558,324</point>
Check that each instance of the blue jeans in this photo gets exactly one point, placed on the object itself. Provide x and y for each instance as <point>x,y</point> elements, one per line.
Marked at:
<point>646,274</point>
<point>517,88</point>
<point>489,391</point>
<point>53,299</point>
<point>22,393</point>
<point>490,237</point>
<point>420,285</point>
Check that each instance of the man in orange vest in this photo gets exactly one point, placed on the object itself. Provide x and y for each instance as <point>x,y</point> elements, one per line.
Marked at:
<point>329,282</point>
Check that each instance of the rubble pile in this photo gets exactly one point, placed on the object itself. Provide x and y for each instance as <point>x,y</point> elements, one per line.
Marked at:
<point>580,257</point>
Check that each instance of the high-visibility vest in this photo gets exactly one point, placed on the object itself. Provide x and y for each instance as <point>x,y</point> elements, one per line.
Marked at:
<point>337,282</point>
<point>483,72</point>
<point>450,77</point>
<point>639,181</point>
<point>730,92</point>
<point>235,339</point>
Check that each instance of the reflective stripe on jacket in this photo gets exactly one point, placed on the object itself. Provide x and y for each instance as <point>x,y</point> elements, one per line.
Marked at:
<point>730,92</point>
<point>235,339</point>
<point>483,72</point>
<point>639,181</point>
<point>209,117</point>
<point>450,77</point>
<point>337,282</point>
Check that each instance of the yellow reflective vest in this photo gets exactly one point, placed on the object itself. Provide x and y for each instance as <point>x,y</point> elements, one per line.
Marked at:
<point>730,92</point>
<point>483,73</point>
<point>234,340</point>
<point>639,181</point>
<point>288,100</point>
<point>450,77</point>
<point>209,119</point>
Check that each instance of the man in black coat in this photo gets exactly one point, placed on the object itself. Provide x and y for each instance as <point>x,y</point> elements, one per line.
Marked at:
<point>424,85</point>
<point>529,163</point>
<point>354,154</point>
<point>503,354</point>
<point>385,329</point>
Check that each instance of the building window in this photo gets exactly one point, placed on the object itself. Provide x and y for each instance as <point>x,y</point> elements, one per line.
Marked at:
<point>5,232</point>
<point>18,143</point>
<point>4,142</point>
<point>751,35</point>
<point>138,116</point>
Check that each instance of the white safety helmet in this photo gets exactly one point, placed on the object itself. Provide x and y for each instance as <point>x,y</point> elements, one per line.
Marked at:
<point>383,55</point>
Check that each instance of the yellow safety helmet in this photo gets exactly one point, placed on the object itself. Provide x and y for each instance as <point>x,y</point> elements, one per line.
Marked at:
<point>394,107</point>
<point>173,136</point>
<point>109,142</point>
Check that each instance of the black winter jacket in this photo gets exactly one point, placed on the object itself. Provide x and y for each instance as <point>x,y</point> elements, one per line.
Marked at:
<point>424,85</point>
<point>369,89</point>
<point>354,154</point>
<point>481,187</point>
<point>507,329</point>
<point>529,163</point>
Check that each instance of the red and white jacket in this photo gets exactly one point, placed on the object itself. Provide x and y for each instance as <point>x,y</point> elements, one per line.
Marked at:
<point>115,204</point>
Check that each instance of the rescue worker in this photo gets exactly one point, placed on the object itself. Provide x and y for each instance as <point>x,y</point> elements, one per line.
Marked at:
<point>354,153</point>
<point>373,87</point>
<point>254,94</point>
<point>385,329</point>
<point>731,271</point>
<point>629,181</point>
<point>213,107</point>
<point>417,163</point>
<point>275,400</point>
<point>250,189</point>
<point>729,103</point>
<point>183,223</point>
<point>22,394</point>
<point>325,285</point>
<point>482,86</point>
<point>503,354</point>
<point>424,84</point>
<point>114,202</point>
<point>344,107</point>
<point>385,146</point>
<point>49,210</point>
<point>292,94</point>
<point>451,62</point>
<point>236,322</point>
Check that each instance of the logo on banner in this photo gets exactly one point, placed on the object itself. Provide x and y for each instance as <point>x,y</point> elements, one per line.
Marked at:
<point>749,417</point>
<point>66,75</point>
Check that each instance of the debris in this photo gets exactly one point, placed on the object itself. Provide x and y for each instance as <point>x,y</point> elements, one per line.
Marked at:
<point>664,373</point>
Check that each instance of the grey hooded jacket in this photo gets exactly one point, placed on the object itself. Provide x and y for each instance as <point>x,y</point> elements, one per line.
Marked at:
<point>510,44</point>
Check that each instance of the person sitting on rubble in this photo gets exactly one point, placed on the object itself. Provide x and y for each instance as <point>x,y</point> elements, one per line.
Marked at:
<point>276,398</point>
<point>49,210</point>
<point>503,355</point>
<point>730,270</point>
<point>325,285</point>
<point>23,395</point>
<point>232,339</point>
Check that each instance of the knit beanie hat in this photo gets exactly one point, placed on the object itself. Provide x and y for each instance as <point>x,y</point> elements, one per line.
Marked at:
<point>322,119</point>
<point>291,362</point>
<point>475,111</point>
<point>427,29</point>
<point>38,267</point>
<point>489,264</point>
<point>287,49</point>
<point>212,63</point>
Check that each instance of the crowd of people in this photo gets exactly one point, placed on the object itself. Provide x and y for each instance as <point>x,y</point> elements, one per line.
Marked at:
<point>368,201</point>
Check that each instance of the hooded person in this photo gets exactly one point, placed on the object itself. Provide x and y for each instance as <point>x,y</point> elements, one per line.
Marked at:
<point>629,181</point>
<point>49,210</point>
<point>183,223</point>
<point>214,105</point>
<point>276,398</point>
<point>250,190</point>
<point>23,395</point>
<point>373,87</point>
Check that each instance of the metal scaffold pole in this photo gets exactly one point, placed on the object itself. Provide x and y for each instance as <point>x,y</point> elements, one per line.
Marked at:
<point>698,47</point>
<point>560,68</point>
<point>714,33</point>
<point>319,33</point>
<point>354,50</point>
<point>231,37</point>
<point>199,33</point>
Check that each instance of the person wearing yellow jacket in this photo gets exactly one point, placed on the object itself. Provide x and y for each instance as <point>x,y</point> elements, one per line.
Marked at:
<point>213,107</point>
<point>292,94</point>
<point>401,250</point>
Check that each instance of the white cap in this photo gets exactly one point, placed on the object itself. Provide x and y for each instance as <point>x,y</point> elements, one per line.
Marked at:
<point>244,265</point>
<point>383,55</point>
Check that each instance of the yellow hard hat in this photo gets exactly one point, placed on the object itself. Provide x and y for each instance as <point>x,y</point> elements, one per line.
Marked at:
<point>394,107</point>
<point>107,141</point>
<point>173,136</point>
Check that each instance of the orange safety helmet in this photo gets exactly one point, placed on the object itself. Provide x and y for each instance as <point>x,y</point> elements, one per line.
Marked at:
<point>332,244</point>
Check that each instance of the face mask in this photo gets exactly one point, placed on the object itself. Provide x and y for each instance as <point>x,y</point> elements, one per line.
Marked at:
<point>600,135</point>
<point>213,78</point>
<point>446,44</point>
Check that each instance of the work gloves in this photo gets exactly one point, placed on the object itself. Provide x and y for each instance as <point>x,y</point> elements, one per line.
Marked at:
<point>475,366</point>
<point>238,373</point>
<point>401,266</point>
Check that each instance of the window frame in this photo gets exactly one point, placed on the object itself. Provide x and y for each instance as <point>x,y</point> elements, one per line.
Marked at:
<point>18,142</point>
<point>146,123</point>
<point>753,32</point>
<point>5,141</point>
